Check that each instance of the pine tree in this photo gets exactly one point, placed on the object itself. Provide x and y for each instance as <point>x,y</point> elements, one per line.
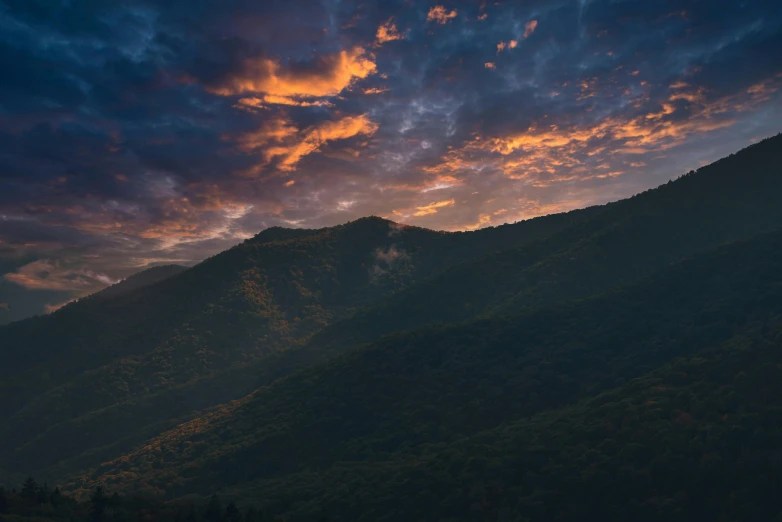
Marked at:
<point>29,491</point>
<point>98,501</point>
<point>191,515</point>
<point>42,496</point>
<point>56,497</point>
<point>232,513</point>
<point>251,515</point>
<point>3,501</point>
<point>214,510</point>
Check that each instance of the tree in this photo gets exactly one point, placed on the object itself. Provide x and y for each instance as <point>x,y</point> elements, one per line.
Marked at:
<point>3,501</point>
<point>98,503</point>
<point>56,497</point>
<point>191,515</point>
<point>214,510</point>
<point>232,513</point>
<point>30,491</point>
<point>251,515</point>
<point>42,495</point>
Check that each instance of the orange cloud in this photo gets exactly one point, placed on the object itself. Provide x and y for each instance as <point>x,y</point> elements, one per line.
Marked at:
<point>425,210</point>
<point>545,155</point>
<point>45,274</point>
<point>332,75</point>
<point>432,208</point>
<point>289,183</point>
<point>484,16</point>
<point>490,65</point>
<point>376,90</point>
<point>483,220</point>
<point>272,99</point>
<point>441,15</point>
<point>274,130</point>
<point>530,27</point>
<point>291,147</point>
<point>437,182</point>
<point>388,32</point>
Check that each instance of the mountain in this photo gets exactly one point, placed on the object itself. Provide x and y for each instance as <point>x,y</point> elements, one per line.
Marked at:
<point>139,280</point>
<point>616,244</point>
<point>412,396</point>
<point>336,368</point>
<point>107,372</point>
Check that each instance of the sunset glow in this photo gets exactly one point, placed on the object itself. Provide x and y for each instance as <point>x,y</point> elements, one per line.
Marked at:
<point>168,132</point>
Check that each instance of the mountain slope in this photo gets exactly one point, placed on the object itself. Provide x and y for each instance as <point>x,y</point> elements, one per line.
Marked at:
<point>90,383</point>
<point>438,386</point>
<point>160,352</point>
<point>694,440</point>
<point>141,279</point>
<point>619,243</point>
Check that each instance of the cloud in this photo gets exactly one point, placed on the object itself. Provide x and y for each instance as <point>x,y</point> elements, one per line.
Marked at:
<point>530,27</point>
<point>274,130</point>
<point>328,76</point>
<point>278,140</point>
<point>49,308</point>
<point>376,90</point>
<point>5,307</point>
<point>387,32</point>
<point>545,155</point>
<point>253,103</point>
<point>396,229</point>
<point>483,221</point>
<point>390,255</point>
<point>48,274</point>
<point>168,132</point>
<point>432,207</point>
<point>389,260</point>
<point>441,15</point>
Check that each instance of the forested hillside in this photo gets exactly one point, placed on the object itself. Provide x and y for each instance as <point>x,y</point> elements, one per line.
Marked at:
<point>90,381</point>
<point>410,393</point>
<point>384,372</point>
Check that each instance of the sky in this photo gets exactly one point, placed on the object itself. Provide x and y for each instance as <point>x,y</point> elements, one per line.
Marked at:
<point>142,132</point>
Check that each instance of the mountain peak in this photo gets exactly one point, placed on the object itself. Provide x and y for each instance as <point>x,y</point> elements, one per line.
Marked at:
<point>140,279</point>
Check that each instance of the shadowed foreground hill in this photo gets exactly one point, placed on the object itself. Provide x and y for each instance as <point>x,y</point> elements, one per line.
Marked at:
<point>419,397</point>
<point>620,243</point>
<point>103,374</point>
<point>486,328</point>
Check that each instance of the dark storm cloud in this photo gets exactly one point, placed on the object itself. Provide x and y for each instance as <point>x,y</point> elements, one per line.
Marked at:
<point>150,131</point>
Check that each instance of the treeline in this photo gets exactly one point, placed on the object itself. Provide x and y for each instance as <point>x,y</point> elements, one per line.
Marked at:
<point>40,502</point>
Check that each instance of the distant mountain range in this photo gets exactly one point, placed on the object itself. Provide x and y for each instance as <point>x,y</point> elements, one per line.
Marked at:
<point>617,362</point>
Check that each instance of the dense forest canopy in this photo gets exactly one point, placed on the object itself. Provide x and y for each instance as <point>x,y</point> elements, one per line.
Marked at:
<point>620,362</point>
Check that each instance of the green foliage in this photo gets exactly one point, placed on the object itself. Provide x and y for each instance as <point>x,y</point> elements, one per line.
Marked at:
<point>425,392</point>
<point>112,508</point>
<point>615,363</point>
<point>104,374</point>
<point>214,510</point>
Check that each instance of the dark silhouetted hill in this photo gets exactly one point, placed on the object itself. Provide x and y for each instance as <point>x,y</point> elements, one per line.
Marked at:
<point>336,367</point>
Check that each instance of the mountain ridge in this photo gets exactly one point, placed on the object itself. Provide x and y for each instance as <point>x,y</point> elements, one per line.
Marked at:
<point>246,336</point>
